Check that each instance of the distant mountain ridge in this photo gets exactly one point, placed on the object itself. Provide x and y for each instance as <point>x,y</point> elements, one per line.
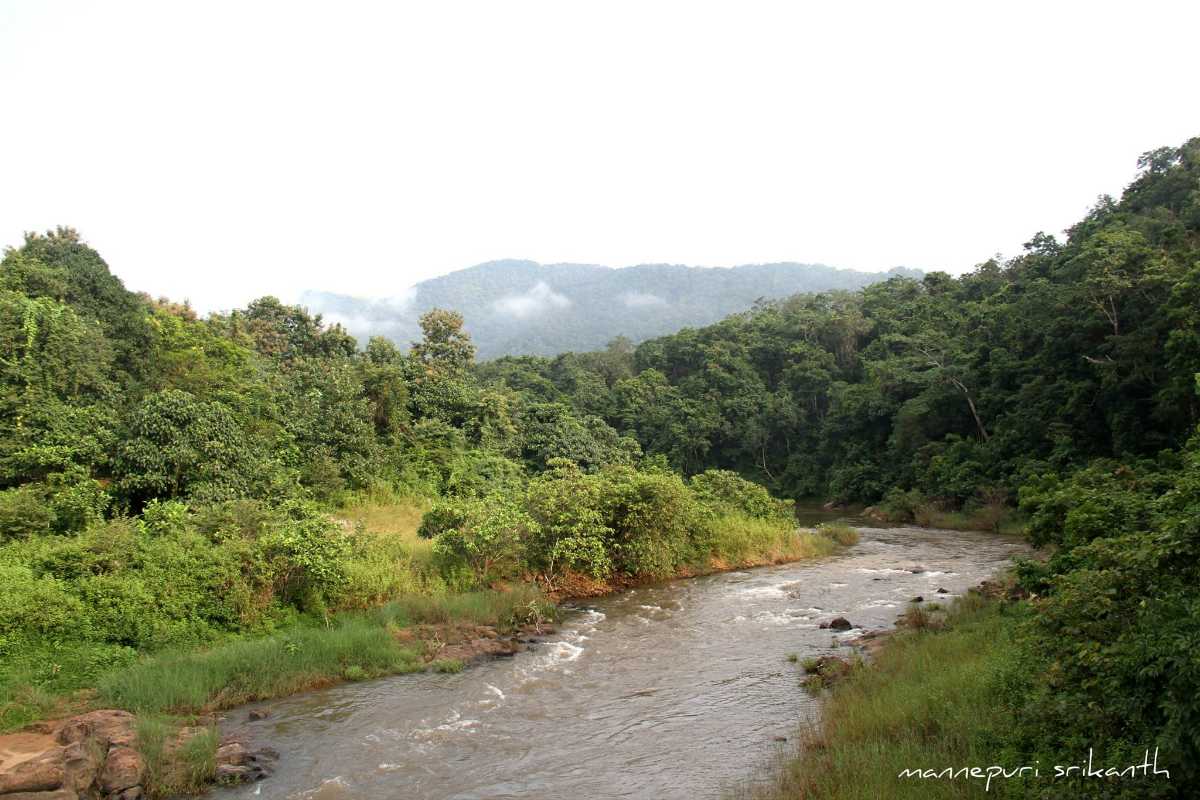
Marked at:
<point>526,308</point>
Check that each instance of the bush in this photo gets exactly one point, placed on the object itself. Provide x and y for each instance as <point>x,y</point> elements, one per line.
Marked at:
<point>656,522</point>
<point>722,489</point>
<point>304,557</point>
<point>571,532</point>
<point>488,535</point>
<point>24,512</point>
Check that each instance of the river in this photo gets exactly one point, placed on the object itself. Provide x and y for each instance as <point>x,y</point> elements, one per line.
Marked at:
<point>670,691</point>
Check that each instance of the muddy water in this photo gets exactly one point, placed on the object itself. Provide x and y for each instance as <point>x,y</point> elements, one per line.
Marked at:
<point>671,691</point>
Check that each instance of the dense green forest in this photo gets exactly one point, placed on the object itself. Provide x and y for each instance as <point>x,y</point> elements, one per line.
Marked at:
<point>526,308</point>
<point>1063,382</point>
<point>950,388</point>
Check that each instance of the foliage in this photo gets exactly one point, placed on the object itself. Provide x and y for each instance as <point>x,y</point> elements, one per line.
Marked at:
<point>484,534</point>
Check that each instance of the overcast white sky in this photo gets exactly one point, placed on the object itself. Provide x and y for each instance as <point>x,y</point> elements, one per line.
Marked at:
<point>220,151</point>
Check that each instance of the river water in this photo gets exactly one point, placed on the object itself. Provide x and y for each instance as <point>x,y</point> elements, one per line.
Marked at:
<point>671,691</point>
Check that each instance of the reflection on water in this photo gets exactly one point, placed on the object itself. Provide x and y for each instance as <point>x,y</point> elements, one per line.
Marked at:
<point>671,691</point>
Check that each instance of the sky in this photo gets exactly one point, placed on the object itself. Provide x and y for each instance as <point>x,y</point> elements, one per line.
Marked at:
<point>220,151</point>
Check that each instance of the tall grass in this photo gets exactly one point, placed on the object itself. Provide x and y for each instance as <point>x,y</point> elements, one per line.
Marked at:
<point>930,700</point>
<point>175,766</point>
<point>243,671</point>
<point>388,559</point>
<point>838,532</point>
<point>740,540</point>
<point>508,609</point>
<point>355,646</point>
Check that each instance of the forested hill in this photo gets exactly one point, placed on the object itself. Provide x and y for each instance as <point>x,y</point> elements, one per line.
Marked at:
<point>1075,349</point>
<point>526,308</point>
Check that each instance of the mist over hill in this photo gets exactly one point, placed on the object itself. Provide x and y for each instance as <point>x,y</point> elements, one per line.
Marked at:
<point>525,308</point>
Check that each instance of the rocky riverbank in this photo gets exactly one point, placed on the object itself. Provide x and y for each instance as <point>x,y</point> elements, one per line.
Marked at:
<point>96,756</point>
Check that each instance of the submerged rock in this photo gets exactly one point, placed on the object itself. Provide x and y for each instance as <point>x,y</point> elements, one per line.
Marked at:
<point>238,764</point>
<point>840,624</point>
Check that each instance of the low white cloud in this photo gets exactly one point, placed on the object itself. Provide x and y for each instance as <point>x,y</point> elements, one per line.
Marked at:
<point>539,299</point>
<point>641,300</point>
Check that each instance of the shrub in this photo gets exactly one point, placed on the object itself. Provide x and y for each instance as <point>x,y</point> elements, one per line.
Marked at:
<point>488,536</point>
<point>655,521</point>
<point>75,500</point>
<point>24,512</point>
<point>304,557</point>
<point>723,489</point>
<point>571,530</point>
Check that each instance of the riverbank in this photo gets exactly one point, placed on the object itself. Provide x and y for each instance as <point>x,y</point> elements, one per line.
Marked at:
<point>441,632</point>
<point>670,690</point>
<point>931,695</point>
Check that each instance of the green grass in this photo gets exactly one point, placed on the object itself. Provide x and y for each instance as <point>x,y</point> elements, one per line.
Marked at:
<point>522,604</point>
<point>985,518</point>
<point>388,559</point>
<point>844,535</point>
<point>353,647</point>
<point>174,767</point>
<point>930,700</point>
<point>243,671</point>
<point>742,540</point>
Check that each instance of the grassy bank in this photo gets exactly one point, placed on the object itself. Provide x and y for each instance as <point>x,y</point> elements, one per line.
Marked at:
<point>392,583</point>
<point>989,511</point>
<point>351,647</point>
<point>931,698</point>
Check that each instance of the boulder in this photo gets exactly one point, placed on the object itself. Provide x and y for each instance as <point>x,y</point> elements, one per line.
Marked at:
<point>840,624</point>
<point>107,728</point>
<point>942,591</point>
<point>259,713</point>
<point>918,599</point>
<point>80,765</point>
<point>123,769</point>
<point>41,773</point>
<point>232,753</point>
<point>238,764</point>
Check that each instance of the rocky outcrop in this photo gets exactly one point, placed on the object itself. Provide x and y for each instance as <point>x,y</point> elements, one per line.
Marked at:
<point>94,756</point>
<point>88,756</point>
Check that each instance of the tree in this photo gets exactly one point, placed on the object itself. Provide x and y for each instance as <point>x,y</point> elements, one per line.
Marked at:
<point>178,446</point>
<point>446,347</point>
